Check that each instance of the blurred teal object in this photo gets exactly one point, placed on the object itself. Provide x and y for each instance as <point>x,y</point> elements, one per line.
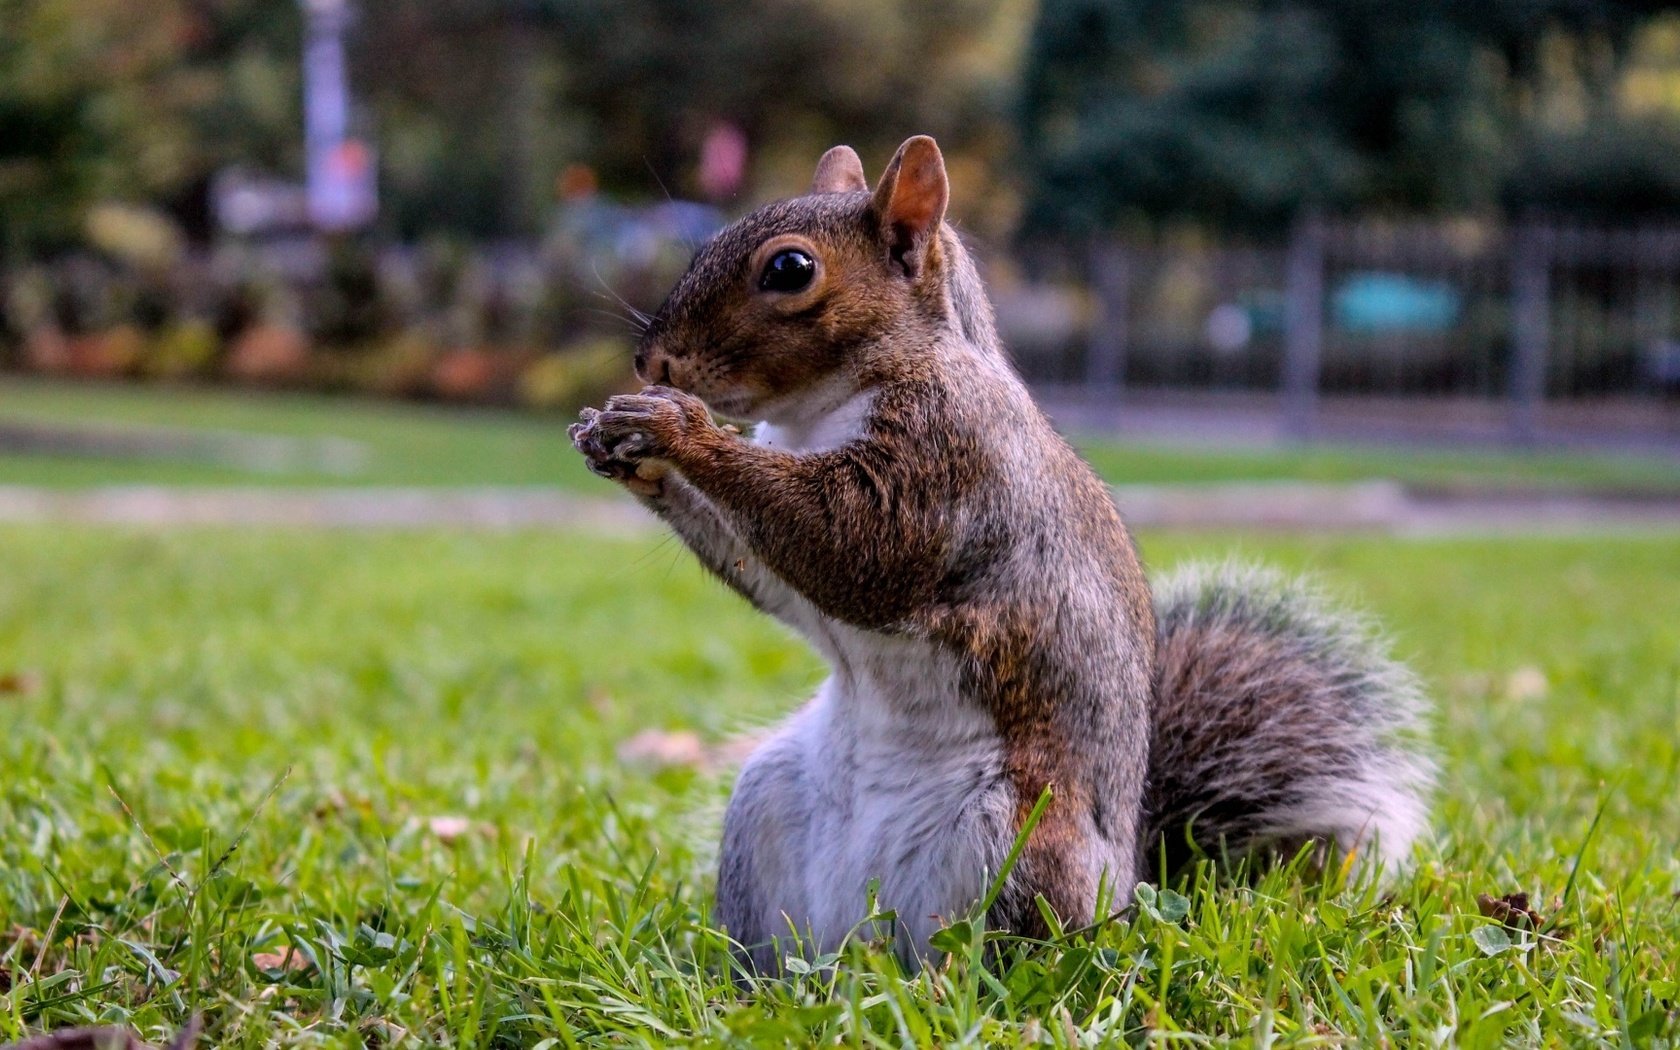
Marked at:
<point>1390,302</point>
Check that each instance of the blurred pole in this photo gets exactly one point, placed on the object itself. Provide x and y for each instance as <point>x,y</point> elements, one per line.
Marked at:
<point>1303,326</point>
<point>1530,316</point>
<point>1111,277</point>
<point>339,173</point>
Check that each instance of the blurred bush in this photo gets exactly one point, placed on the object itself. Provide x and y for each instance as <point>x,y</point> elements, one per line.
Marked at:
<point>1238,115</point>
<point>547,325</point>
<point>585,374</point>
<point>181,350</point>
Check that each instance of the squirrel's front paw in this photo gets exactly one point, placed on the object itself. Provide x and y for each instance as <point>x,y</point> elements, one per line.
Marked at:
<point>633,439</point>
<point>613,460</point>
<point>654,424</point>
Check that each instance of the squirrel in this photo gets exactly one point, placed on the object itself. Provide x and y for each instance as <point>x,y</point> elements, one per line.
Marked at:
<point>905,505</point>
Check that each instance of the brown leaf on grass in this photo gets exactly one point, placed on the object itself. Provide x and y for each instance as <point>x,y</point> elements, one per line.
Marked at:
<point>447,829</point>
<point>337,803</point>
<point>290,960</point>
<point>19,683</point>
<point>24,940</point>
<point>377,1032</point>
<point>660,749</point>
<point>1511,909</point>
<point>734,751</point>
<point>103,1038</point>
<point>1527,683</point>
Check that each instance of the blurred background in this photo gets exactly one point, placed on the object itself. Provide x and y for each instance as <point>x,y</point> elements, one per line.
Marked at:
<point>1238,222</point>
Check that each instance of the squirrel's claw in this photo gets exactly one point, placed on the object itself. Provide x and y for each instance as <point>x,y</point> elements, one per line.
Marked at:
<point>613,446</point>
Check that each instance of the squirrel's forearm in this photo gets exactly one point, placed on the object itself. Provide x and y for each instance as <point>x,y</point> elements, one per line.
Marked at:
<point>720,549</point>
<point>698,524</point>
<point>858,540</point>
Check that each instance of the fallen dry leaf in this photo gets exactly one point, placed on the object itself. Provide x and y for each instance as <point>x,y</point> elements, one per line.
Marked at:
<point>600,701</point>
<point>1511,909</point>
<point>660,749</point>
<point>449,828</point>
<point>656,747</point>
<point>336,802</point>
<point>25,939</point>
<point>734,751</point>
<point>290,959</point>
<point>1527,683</point>
<point>377,1032</point>
<point>19,683</point>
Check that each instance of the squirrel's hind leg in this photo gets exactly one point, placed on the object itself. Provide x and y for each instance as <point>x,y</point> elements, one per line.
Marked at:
<point>763,868</point>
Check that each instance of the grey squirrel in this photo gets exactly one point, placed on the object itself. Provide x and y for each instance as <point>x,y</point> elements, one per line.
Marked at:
<point>905,506</point>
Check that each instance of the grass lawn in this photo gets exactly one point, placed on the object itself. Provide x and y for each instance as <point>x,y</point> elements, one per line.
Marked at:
<point>395,755</point>
<point>431,445</point>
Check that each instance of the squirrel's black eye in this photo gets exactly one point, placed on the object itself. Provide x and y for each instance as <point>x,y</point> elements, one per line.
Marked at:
<point>788,270</point>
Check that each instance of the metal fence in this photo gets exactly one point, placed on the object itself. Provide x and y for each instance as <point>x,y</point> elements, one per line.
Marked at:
<point>1515,322</point>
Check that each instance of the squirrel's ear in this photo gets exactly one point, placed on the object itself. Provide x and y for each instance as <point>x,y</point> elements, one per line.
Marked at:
<point>839,171</point>
<point>910,201</point>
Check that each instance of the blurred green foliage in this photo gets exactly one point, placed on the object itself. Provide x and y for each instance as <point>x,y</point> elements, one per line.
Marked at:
<point>477,105</point>
<point>1234,112</point>
<point>1241,113</point>
<point>107,99</point>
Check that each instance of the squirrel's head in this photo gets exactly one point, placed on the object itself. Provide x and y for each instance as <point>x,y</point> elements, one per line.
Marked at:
<point>786,300</point>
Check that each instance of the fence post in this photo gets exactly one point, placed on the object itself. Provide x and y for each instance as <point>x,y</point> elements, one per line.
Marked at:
<point>1303,326</point>
<point>1105,351</point>
<point>1531,265</point>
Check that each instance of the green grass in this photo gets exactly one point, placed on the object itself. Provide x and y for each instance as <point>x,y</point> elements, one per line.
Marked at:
<point>403,444</point>
<point>283,715</point>
<point>431,445</point>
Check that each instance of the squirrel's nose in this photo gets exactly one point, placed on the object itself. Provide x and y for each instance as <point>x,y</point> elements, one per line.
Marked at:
<point>655,369</point>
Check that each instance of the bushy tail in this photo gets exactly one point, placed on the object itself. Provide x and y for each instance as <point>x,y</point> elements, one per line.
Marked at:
<point>1279,721</point>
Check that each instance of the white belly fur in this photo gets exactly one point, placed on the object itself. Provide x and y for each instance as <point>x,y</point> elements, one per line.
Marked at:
<point>900,781</point>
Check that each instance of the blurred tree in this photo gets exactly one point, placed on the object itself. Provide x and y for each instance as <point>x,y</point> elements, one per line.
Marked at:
<point>482,102</point>
<point>108,99</point>
<point>1231,111</point>
<point>1242,112</point>
<point>653,75</point>
<point>478,104</point>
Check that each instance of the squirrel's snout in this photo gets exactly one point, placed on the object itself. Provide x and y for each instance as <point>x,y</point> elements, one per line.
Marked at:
<point>653,368</point>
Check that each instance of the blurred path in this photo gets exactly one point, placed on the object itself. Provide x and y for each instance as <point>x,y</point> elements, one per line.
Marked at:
<point>1216,418</point>
<point>1380,506</point>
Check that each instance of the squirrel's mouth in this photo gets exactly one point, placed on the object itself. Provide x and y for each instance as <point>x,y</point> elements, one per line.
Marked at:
<point>660,369</point>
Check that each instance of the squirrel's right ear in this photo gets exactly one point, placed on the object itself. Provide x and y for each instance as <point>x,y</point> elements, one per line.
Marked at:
<point>910,202</point>
<point>839,171</point>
